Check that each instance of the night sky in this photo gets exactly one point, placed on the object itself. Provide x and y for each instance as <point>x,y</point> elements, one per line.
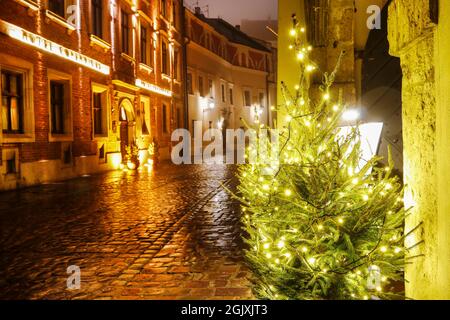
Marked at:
<point>234,11</point>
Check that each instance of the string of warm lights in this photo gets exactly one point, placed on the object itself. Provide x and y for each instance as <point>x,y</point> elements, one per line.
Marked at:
<point>320,225</point>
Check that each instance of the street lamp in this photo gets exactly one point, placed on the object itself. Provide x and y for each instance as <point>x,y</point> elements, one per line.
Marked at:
<point>351,115</point>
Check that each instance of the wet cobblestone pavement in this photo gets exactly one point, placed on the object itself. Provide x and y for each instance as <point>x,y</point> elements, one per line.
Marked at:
<point>170,234</point>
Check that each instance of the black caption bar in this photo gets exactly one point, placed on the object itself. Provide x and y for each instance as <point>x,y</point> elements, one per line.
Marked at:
<point>203,310</point>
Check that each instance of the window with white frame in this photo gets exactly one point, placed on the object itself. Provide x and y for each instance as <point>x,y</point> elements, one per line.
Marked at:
<point>60,105</point>
<point>63,9</point>
<point>58,7</point>
<point>224,98</point>
<point>211,88</point>
<point>100,103</point>
<point>97,17</point>
<point>125,32</point>
<point>165,56</point>
<point>145,45</point>
<point>247,98</point>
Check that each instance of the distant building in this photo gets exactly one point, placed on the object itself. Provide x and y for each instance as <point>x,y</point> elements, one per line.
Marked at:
<point>262,30</point>
<point>230,76</point>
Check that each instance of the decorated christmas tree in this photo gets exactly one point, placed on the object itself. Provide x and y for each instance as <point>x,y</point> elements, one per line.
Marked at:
<point>321,222</point>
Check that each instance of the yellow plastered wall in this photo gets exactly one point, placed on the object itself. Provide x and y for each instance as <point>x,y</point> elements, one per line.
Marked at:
<point>424,50</point>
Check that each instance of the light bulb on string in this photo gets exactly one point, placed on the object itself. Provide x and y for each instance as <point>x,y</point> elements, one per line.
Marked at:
<point>310,68</point>
<point>300,56</point>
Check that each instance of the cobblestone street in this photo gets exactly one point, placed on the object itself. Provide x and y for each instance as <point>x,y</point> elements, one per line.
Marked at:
<point>170,234</point>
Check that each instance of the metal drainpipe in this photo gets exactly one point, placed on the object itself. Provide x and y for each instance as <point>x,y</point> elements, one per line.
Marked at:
<point>185,72</point>
<point>267,94</point>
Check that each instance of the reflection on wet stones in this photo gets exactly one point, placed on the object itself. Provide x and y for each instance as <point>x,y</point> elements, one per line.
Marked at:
<point>170,234</point>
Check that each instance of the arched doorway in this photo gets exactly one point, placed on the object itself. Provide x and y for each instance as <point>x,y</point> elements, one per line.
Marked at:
<point>127,125</point>
<point>382,90</point>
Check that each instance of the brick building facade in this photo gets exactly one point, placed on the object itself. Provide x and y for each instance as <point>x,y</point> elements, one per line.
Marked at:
<point>82,80</point>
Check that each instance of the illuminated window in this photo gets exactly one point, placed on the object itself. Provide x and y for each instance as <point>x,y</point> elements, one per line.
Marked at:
<point>123,114</point>
<point>144,45</point>
<point>164,58</point>
<point>190,87</point>
<point>97,18</point>
<point>125,30</point>
<point>247,98</point>
<point>16,100</point>
<point>58,7</point>
<point>12,102</point>
<point>164,118</point>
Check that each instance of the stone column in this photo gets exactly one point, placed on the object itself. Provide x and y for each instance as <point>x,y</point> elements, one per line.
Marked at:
<point>414,38</point>
<point>443,148</point>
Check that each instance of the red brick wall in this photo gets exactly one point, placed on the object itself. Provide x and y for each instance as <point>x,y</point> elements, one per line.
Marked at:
<point>82,78</point>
